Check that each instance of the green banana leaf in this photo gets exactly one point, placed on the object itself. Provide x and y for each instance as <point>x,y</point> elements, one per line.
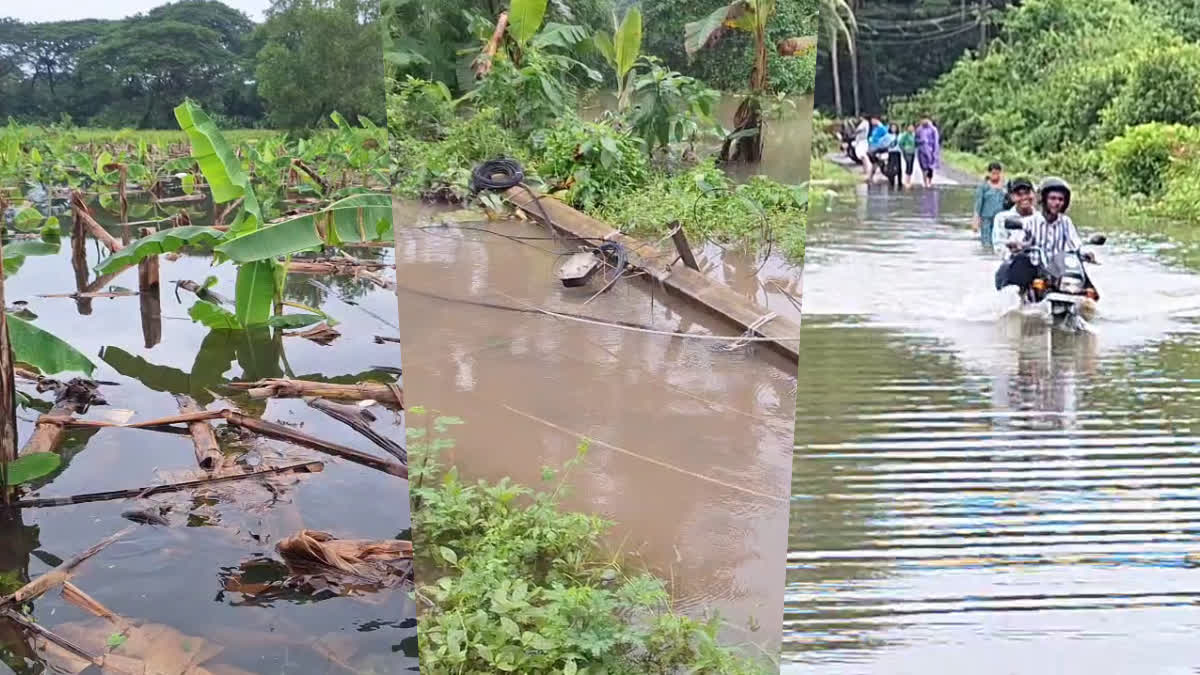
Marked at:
<point>49,354</point>
<point>358,218</point>
<point>163,241</point>
<point>220,166</point>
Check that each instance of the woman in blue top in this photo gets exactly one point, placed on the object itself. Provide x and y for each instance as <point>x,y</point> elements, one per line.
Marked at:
<point>989,200</point>
<point>876,148</point>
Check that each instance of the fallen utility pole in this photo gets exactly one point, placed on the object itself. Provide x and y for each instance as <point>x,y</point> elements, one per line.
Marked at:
<point>691,284</point>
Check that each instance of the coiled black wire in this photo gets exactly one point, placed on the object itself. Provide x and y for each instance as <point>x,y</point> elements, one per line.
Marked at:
<point>504,173</point>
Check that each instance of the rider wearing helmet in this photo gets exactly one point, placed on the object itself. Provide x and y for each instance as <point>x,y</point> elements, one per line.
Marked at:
<point>1053,231</point>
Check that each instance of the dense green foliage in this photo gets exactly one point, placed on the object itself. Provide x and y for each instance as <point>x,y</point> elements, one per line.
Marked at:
<point>428,38</point>
<point>523,586</point>
<point>631,165</point>
<point>1102,91</point>
<point>308,58</point>
<point>726,65</point>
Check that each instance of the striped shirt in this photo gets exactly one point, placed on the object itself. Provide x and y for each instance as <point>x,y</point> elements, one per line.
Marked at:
<point>1052,238</point>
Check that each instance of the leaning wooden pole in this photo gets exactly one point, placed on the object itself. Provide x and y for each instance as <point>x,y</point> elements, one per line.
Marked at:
<point>94,228</point>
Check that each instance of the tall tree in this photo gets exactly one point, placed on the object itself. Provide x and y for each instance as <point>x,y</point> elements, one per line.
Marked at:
<point>155,65</point>
<point>321,56</point>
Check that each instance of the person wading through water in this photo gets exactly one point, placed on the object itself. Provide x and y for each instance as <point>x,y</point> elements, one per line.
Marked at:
<point>908,147</point>
<point>892,169</point>
<point>929,149</point>
<point>989,200</point>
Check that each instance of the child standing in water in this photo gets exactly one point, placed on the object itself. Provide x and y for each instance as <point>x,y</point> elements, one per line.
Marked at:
<point>892,170</point>
<point>908,148</point>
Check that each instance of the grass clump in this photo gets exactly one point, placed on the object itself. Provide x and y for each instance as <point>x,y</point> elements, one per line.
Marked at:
<point>524,586</point>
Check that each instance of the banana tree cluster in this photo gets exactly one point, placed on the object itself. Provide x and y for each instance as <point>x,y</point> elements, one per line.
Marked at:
<point>260,248</point>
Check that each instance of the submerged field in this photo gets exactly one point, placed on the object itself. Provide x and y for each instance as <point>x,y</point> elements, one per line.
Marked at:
<point>200,584</point>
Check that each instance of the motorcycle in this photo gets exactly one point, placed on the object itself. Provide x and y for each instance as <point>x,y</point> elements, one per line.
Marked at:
<point>1062,281</point>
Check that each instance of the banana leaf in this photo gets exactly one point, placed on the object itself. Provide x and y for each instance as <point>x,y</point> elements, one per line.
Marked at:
<point>220,166</point>
<point>44,351</point>
<point>163,241</point>
<point>355,219</point>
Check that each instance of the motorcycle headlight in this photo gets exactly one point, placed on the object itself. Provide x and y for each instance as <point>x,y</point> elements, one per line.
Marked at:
<point>1071,262</point>
<point>1070,285</point>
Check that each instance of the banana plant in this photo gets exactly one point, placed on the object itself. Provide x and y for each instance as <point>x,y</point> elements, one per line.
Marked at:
<point>251,242</point>
<point>749,16</point>
<point>621,50</point>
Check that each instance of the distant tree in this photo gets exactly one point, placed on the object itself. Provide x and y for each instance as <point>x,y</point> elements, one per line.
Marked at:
<point>319,56</point>
<point>151,66</point>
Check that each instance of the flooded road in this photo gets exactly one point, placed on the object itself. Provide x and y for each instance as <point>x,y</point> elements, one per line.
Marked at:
<point>184,576</point>
<point>691,444</point>
<point>973,492</point>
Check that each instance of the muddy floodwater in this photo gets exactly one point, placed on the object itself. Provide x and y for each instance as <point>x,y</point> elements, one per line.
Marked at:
<point>180,576</point>
<point>973,491</point>
<point>691,445</point>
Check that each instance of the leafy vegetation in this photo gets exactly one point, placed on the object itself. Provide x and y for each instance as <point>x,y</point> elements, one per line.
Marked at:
<point>525,587</point>
<point>1115,111</point>
<point>308,57</point>
<point>636,164</point>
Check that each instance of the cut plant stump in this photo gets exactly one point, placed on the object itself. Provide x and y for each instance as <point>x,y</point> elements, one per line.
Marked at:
<point>49,430</point>
<point>208,453</point>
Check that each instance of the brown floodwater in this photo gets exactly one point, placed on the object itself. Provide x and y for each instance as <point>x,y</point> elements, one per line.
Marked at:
<point>691,446</point>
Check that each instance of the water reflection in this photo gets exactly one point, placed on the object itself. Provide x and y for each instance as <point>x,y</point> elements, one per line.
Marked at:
<point>973,489</point>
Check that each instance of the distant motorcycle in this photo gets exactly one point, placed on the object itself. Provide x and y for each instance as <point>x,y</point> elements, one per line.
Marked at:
<point>1061,280</point>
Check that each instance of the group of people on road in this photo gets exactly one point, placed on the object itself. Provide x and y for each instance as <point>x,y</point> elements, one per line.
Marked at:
<point>1042,212</point>
<point>885,148</point>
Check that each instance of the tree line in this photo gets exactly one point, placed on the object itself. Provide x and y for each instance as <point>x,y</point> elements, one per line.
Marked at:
<point>440,37</point>
<point>305,60</point>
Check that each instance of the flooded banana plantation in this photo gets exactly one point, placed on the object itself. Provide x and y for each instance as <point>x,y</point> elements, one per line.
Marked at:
<point>211,473</point>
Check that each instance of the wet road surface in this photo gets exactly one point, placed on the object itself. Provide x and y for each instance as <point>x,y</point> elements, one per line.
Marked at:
<point>973,491</point>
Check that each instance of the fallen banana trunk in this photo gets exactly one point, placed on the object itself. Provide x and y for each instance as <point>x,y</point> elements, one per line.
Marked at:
<point>59,575</point>
<point>304,467</point>
<point>388,394</point>
<point>360,420</point>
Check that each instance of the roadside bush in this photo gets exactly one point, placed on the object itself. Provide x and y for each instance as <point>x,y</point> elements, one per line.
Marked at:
<point>524,587</point>
<point>1163,86</point>
<point>710,206</point>
<point>441,169</point>
<point>1139,161</point>
<point>420,108</point>
<point>594,162</point>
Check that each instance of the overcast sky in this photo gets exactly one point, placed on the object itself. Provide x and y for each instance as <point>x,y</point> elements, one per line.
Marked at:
<point>61,10</point>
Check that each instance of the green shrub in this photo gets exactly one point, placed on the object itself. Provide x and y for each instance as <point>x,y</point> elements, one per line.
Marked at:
<point>595,162</point>
<point>524,587</point>
<point>1139,161</point>
<point>1163,86</point>
<point>710,206</point>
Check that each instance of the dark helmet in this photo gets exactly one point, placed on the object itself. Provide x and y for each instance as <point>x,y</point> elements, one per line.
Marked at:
<point>1020,183</point>
<point>1053,184</point>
